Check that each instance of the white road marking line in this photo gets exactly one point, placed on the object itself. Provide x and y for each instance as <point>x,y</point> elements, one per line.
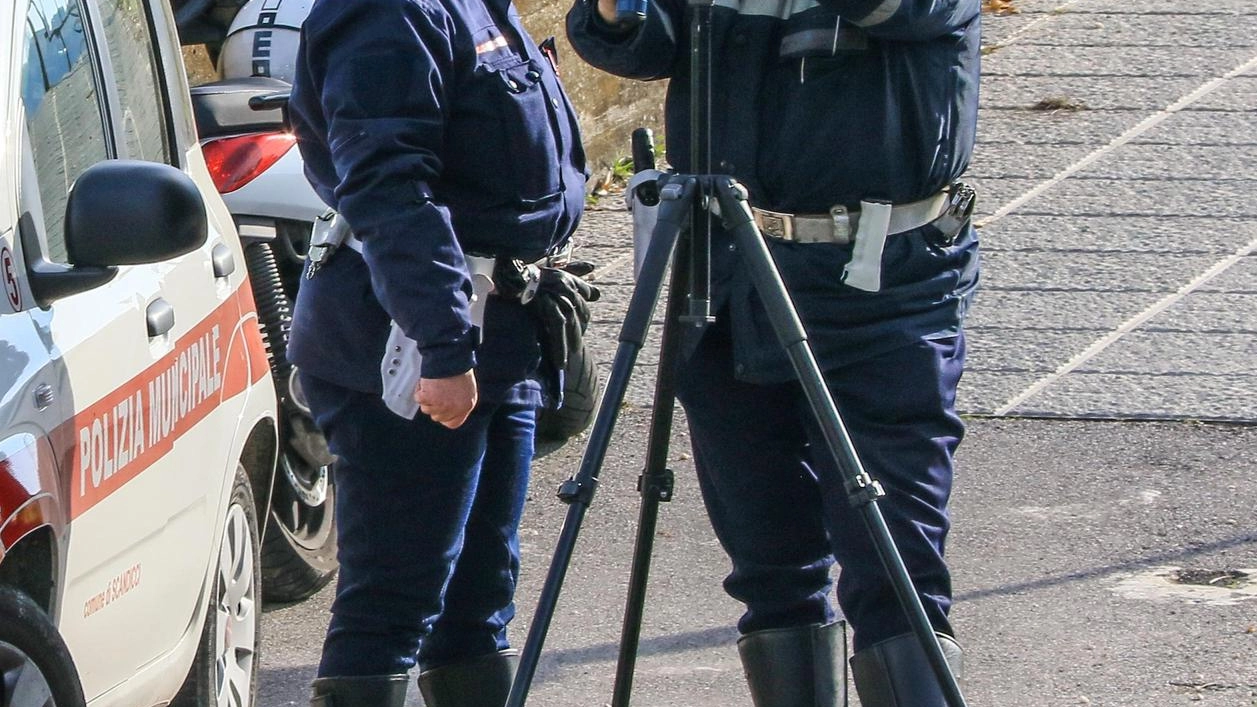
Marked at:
<point>1050,15</point>
<point>1164,303</point>
<point>1126,327</point>
<point>1144,126</point>
<point>612,265</point>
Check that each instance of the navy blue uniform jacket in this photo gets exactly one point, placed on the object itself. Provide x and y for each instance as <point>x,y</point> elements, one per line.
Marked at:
<point>436,128</point>
<point>818,104</point>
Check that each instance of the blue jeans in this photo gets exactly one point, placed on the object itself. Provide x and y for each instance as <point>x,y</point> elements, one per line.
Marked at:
<point>427,519</point>
<point>776,498</point>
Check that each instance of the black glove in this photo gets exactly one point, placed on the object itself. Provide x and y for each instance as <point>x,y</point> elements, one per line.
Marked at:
<point>579,268</point>
<point>559,300</point>
<point>561,306</point>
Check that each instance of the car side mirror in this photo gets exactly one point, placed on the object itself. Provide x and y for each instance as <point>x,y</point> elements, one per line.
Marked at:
<point>118,212</point>
<point>127,212</point>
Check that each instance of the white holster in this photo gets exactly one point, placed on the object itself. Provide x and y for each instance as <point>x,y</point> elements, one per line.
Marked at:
<point>399,368</point>
<point>644,217</point>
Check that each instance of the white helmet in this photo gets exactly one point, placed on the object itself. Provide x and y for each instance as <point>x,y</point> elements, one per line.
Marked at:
<point>262,39</point>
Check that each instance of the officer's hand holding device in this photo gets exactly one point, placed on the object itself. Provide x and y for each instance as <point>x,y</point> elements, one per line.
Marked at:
<point>624,14</point>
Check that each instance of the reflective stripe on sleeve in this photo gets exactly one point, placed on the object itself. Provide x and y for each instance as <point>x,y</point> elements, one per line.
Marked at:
<point>769,8</point>
<point>880,14</point>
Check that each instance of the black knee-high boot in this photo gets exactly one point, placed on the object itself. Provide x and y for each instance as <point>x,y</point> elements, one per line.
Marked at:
<point>803,666</point>
<point>370,691</point>
<point>484,681</point>
<point>896,673</point>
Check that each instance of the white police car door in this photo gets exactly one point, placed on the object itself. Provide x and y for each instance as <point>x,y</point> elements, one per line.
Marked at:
<point>145,444</point>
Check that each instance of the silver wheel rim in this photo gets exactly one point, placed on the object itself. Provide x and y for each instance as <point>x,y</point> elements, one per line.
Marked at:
<point>28,684</point>
<point>237,606</point>
<point>311,491</point>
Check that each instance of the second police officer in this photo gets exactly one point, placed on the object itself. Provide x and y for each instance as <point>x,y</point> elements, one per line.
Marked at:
<point>440,133</point>
<point>849,122</point>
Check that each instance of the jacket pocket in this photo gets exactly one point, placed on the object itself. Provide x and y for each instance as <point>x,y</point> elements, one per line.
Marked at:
<point>502,139</point>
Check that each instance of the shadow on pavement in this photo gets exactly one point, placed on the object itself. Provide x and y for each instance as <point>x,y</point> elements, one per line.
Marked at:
<point>1146,562</point>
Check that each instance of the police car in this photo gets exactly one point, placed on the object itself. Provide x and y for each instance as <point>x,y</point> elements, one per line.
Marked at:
<point>137,413</point>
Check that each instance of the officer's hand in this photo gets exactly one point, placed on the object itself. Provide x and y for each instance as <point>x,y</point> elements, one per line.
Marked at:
<point>448,401</point>
<point>606,10</point>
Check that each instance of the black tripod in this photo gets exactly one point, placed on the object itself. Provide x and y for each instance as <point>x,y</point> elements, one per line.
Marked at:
<point>684,219</point>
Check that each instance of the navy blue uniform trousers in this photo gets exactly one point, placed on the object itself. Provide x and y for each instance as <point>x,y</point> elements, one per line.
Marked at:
<point>776,497</point>
<point>427,520</point>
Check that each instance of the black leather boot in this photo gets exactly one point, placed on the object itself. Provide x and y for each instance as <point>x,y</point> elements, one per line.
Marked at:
<point>804,666</point>
<point>480,682</point>
<point>370,691</point>
<point>896,673</point>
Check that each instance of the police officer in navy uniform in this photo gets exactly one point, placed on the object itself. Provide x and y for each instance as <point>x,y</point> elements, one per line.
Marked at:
<point>849,122</point>
<point>439,132</point>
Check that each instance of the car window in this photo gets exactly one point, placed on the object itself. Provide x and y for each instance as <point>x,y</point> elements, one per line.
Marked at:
<point>137,72</point>
<point>63,110</point>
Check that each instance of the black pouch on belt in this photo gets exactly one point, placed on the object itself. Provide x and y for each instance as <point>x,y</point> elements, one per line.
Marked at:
<point>559,301</point>
<point>961,200</point>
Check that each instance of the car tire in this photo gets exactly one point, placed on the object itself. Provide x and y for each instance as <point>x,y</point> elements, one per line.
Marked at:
<point>225,671</point>
<point>35,665</point>
<point>581,387</point>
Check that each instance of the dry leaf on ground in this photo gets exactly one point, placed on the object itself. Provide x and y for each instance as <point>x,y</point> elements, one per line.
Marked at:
<point>999,7</point>
<point>1056,103</point>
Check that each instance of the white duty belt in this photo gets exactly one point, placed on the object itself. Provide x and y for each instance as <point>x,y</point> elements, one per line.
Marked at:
<point>841,223</point>
<point>479,263</point>
<point>868,226</point>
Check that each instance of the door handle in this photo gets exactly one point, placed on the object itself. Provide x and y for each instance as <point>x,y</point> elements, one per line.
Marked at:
<point>161,317</point>
<point>224,263</point>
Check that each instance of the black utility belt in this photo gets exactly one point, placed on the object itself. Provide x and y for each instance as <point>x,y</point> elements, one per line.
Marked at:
<point>509,278</point>
<point>514,278</point>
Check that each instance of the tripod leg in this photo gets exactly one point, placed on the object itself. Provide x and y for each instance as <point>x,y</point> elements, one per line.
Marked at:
<point>578,491</point>
<point>860,487</point>
<point>655,483</point>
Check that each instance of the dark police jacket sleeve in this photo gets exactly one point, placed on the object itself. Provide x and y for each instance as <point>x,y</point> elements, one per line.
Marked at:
<point>434,128</point>
<point>380,68</point>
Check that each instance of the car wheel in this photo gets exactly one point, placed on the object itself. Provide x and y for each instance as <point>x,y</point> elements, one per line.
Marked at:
<point>35,665</point>
<point>299,551</point>
<point>225,671</point>
<point>580,400</point>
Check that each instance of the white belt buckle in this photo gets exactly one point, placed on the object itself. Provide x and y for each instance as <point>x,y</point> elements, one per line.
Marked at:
<point>775,224</point>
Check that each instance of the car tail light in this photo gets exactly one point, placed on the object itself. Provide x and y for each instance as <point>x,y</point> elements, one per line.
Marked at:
<point>235,161</point>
